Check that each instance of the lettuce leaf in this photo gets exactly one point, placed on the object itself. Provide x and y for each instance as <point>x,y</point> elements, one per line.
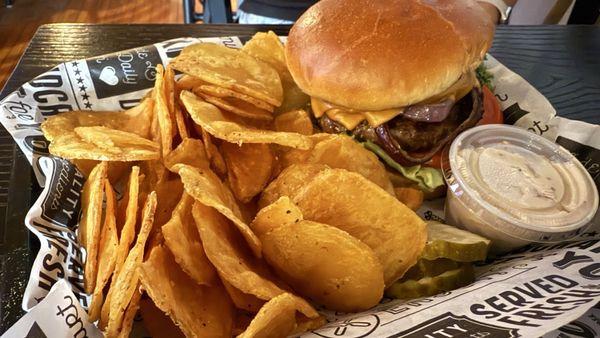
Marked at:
<point>426,178</point>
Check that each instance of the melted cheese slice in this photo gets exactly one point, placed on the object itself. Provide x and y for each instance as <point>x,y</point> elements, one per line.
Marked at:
<point>350,118</point>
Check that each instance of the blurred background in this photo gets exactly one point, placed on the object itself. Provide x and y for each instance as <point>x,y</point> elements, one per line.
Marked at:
<point>19,19</point>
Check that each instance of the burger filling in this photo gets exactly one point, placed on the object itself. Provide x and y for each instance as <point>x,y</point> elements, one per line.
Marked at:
<point>412,135</point>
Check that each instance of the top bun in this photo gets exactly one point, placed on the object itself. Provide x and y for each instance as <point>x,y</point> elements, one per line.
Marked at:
<point>382,54</point>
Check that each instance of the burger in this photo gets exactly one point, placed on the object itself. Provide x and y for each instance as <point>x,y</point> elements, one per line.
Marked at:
<point>403,77</point>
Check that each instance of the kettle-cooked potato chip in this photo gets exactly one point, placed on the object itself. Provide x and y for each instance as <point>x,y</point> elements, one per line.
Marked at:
<point>199,311</point>
<point>356,205</point>
<point>294,121</point>
<point>320,261</point>
<point>127,217</point>
<point>103,144</point>
<point>277,318</point>
<point>128,278</point>
<point>212,120</point>
<point>135,120</point>
<point>158,324</point>
<point>267,47</point>
<point>130,312</point>
<point>249,168</point>
<point>281,212</point>
<point>242,300</point>
<point>191,152</point>
<point>165,123</point>
<point>221,92</point>
<point>188,82</point>
<point>207,188</point>
<point>341,151</point>
<point>180,122</point>
<point>90,223</point>
<point>182,239</point>
<point>106,254</point>
<point>217,162</point>
<point>289,181</point>
<point>238,107</point>
<point>226,249</point>
<point>232,69</point>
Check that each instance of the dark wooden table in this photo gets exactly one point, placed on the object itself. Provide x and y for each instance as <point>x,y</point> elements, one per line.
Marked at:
<point>562,62</point>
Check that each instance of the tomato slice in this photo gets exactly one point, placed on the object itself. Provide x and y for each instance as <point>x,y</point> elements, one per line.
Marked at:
<point>492,114</point>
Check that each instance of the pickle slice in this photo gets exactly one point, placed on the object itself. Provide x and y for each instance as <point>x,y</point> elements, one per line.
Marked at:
<point>426,268</point>
<point>429,286</point>
<point>445,241</point>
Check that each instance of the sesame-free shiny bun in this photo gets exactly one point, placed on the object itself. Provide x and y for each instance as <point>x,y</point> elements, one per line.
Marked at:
<point>382,54</point>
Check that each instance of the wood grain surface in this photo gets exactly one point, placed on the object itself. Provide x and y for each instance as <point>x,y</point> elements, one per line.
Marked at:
<point>19,23</point>
<point>563,62</point>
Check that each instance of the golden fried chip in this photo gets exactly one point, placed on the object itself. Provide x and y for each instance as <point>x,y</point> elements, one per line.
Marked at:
<point>279,213</point>
<point>268,48</point>
<point>212,120</point>
<point>167,196</point>
<point>106,254</point>
<point>242,300</point>
<point>226,249</point>
<point>153,172</point>
<point>135,120</point>
<point>277,318</point>
<point>130,313</point>
<point>411,197</point>
<point>356,205</point>
<point>238,107</point>
<point>289,156</point>
<point>182,239</point>
<point>128,217</point>
<point>304,324</point>
<point>103,144</point>
<point>199,311</point>
<point>232,69</point>
<point>289,181</point>
<point>169,86</point>
<point>188,82</point>
<point>221,92</point>
<point>158,324</point>
<point>180,121</point>
<point>165,123</point>
<point>127,280</point>
<point>319,261</point>
<point>295,121</point>
<point>207,188</point>
<point>90,223</point>
<point>191,152</point>
<point>217,162</point>
<point>249,168</point>
<point>341,151</point>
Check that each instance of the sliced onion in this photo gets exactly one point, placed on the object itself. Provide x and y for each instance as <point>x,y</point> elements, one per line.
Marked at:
<point>436,112</point>
<point>391,146</point>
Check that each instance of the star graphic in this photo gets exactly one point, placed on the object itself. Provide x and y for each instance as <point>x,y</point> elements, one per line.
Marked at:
<point>80,80</point>
<point>74,64</point>
<point>88,105</point>
<point>77,72</point>
<point>85,96</point>
<point>82,88</point>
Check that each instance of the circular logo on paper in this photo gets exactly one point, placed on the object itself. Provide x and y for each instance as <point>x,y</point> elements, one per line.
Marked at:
<point>350,328</point>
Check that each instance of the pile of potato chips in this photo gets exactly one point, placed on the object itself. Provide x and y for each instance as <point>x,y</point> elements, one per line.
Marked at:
<point>234,218</point>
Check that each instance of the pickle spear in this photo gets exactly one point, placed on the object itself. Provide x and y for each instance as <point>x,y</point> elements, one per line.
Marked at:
<point>429,286</point>
<point>445,241</point>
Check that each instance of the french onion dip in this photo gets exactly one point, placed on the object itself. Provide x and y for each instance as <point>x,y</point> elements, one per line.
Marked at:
<point>516,187</point>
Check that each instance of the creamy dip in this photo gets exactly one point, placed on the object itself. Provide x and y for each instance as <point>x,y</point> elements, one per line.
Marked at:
<point>505,182</point>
